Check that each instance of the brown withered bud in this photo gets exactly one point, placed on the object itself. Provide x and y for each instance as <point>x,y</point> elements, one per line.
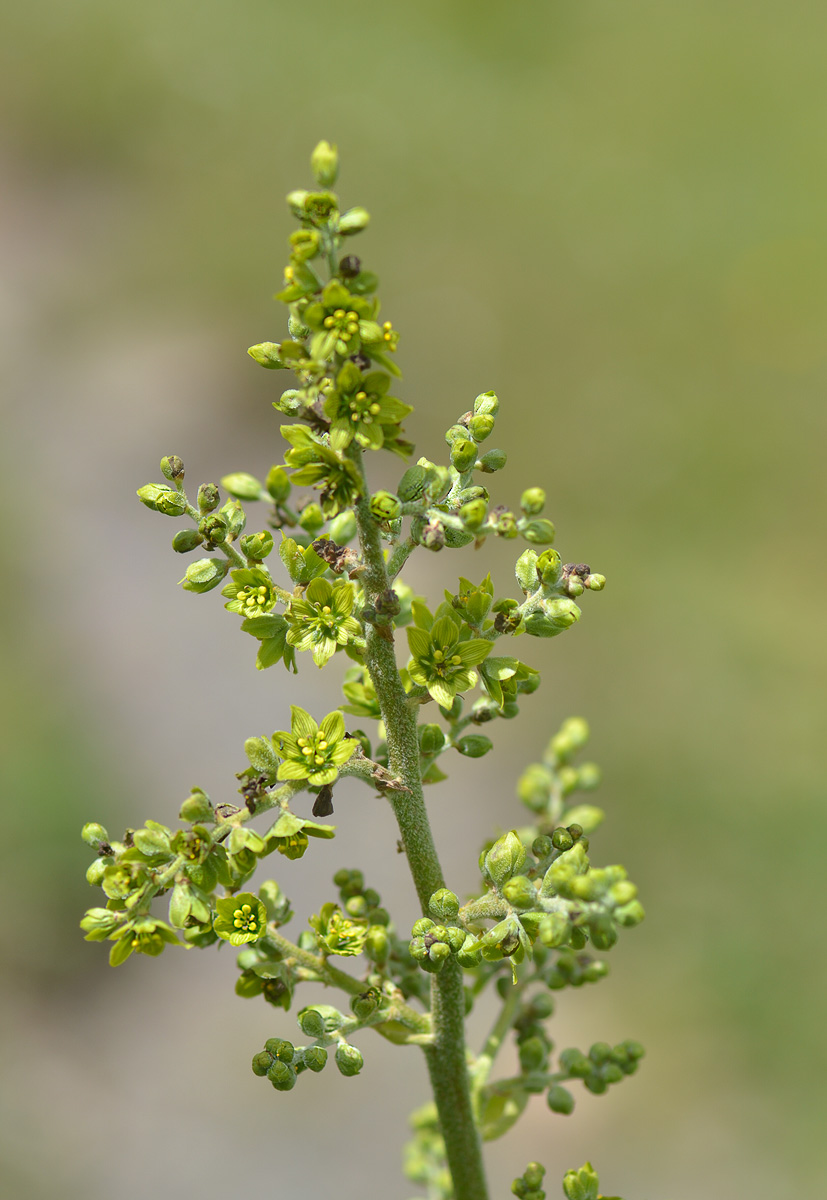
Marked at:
<point>338,558</point>
<point>323,804</point>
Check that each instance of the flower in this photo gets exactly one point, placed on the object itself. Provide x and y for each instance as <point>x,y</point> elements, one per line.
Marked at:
<point>251,592</point>
<point>359,408</point>
<point>340,322</point>
<point>310,751</point>
<point>144,935</point>
<point>321,622</point>
<point>337,933</point>
<point>321,466</point>
<point>441,660</point>
<point>240,919</point>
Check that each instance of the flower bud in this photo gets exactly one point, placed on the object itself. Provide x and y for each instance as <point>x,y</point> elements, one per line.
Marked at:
<point>411,484</point>
<point>505,858</point>
<point>463,454</point>
<point>296,201</point>
<point>186,540</point>
<point>486,405</point>
<point>571,737</point>
<point>480,426</point>
<point>533,1053</point>
<point>242,486</point>
<point>262,1062</point>
<point>555,930</point>
<point>456,433</point>
<point>277,484</point>
<point>384,506</point>
<point>473,514</point>
<point>431,739</point>
<point>324,163</point>
<point>630,914</point>
<point>364,1005</point>
<point>349,266</point>
<point>595,583</point>
<point>172,468</point>
<point>377,944</point>
<point>267,355</point>
<point>315,1058</point>
<point>474,745</point>
<point>539,532</point>
<point>560,1099</point>
<point>290,402</point>
<point>533,501</point>
<point>311,518</point>
<point>493,460</point>
<point>525,569</point>
<point>196,807</point>
<point>348,1059</point>
<point>93,834</point>
<point>213,529</point>
<point>342,528</point>
<point>520,891</point>
<point>582,1184</point>
<point>422,926</point>
<point>431,534</point>
<point>549,567</point>
<point>353,221</point>
<point>444,905</point>
<point>555,617</point>
<point>204,574</point>
<point>282,1076</point>
<point>437,483</point>
<point>162,499</point>
<point>438,954</point>
<point>209,498</point>
<point>256,545</point>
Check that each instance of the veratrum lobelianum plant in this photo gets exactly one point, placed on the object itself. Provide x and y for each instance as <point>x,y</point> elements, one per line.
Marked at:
<point>543,916</point>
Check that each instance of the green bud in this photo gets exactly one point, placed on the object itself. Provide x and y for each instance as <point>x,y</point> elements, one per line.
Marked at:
<point>439,953</point>
<point>204,574</point>
<point>377,944</point>
<point>422,926</point>
<point>384,506</point>
<point>319,1019</point>
<point>520,891</point>
<point>437,483</point>
<point>353,221</point>
<point>533,1054</point>
<point>267,355</point>
<point>456,433</point>
<point>474,745</point>
<point>256,545</point>
<point>549,567</point>
<point>629,914</point>
<point>532,501</point>
<point>290,402</point>
<point>296,200</point>
<point>572,736</point>
<point>162,499</point>
<point>555,930</point>
<point>242,486</point>
<point>213,529</point>
<point>473,514</point>
<point>96,871</point>
<point>525,569</point>
<point>262,1062</point>
<point>348,1059</point>
<point>480,426</point>
<point>505,858</point>
<point>209,498</point>
<point>431,739</point>
<point>603,932</point>
<point>186,540</point>
<point>560,1099</point>
<point>277,484</point>
<point>595,583</point>
<point>364,1005</point>
<point>172,468</point>
<point>324,162</point>
<point>493,461</point>
<point>315,1058</point>
<point>444,905</point>
<point>411,484</point>
<point>582,1184</point>
<point>311,518</point>
<point>342,528</point>
<point>282,1076</point>
<point>196,807</point>
<point>463,454</point>
<point>504,937</point>
<point>539,532</point>
<point>486,405</point>
<point>93,834</point>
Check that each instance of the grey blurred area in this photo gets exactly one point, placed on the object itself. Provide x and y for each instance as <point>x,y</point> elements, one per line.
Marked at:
<point>612,215</point>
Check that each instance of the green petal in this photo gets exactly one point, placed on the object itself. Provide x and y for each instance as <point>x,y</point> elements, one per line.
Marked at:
<point>320,592</point>
<point>392,411</point>
<point>419,641</point>
<point>342,603</point>
<point>370,436</point>
<point>442,691</point>
<point>341,433</point>
<point>301,722</point>
<point>285,745</point>
<point>322,776</point>
<point>323,651</point>
<point>444,633</point>
<point>376,383</point>
<point>291,771</point>
<point>473,651</point>
<point>417,672</point>
<point>343,750</point>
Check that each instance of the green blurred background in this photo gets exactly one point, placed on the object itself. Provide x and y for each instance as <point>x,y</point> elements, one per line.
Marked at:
<point>612,213</point>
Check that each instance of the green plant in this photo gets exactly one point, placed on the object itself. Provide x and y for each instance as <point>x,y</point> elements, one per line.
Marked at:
<point>542,909</point>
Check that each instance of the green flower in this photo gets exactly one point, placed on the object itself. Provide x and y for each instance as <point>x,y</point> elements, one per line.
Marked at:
<point>240,919</point>
<point>337,933</point>
<point>290,834</point>
<point>251,592</point>
<point>340,322</point>
<point>321,622</point>
<point>358,407</point>
<point>310,751</point>
<point>320,466</point>
<point>145,935</point>
<point>442,662</point>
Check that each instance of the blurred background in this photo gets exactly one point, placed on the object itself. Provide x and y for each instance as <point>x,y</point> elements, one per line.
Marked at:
<point>610,213</point>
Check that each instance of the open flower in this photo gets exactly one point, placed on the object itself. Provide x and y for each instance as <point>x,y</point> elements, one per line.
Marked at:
<point>442,662</point>
<point>321,622</point>
<point>338,933</point>
<point>358,407</point>
<point>320,466</point>
<point>310,751</point>
<point>251,592</point>
<point>240,919</point>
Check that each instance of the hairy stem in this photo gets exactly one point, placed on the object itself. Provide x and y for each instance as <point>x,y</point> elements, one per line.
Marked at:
<point>446,1058</point>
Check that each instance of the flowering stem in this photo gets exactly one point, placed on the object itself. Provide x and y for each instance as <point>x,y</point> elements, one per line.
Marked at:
<point>446,1058</point>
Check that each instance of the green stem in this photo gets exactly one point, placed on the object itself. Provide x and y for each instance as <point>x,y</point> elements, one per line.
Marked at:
<point>446,1059</point>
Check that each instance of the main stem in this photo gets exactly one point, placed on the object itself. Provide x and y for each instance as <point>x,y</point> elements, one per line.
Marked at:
<point>446,1058</point>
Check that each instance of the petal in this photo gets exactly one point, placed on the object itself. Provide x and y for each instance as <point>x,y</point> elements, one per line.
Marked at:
<point>332,727</point>
<point>473,651</point>
<point>291,770</point>
<point>343,751</point>
<point>322,776</point>
<point>442,691</point>
<point>319,591</point>
<point>419,641</point>
<point>301,722</point>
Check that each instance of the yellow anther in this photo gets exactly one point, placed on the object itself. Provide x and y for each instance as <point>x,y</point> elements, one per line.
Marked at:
<point>319,759</point>
<point>329,322</point>
<point>361,395</point>
<point>387,325</point>
<point>327,610</point>
<point>307,751</point>
<point>339,313</point>
<point>322,745</point>
<point>375,408</point>
<point>456,660</point>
